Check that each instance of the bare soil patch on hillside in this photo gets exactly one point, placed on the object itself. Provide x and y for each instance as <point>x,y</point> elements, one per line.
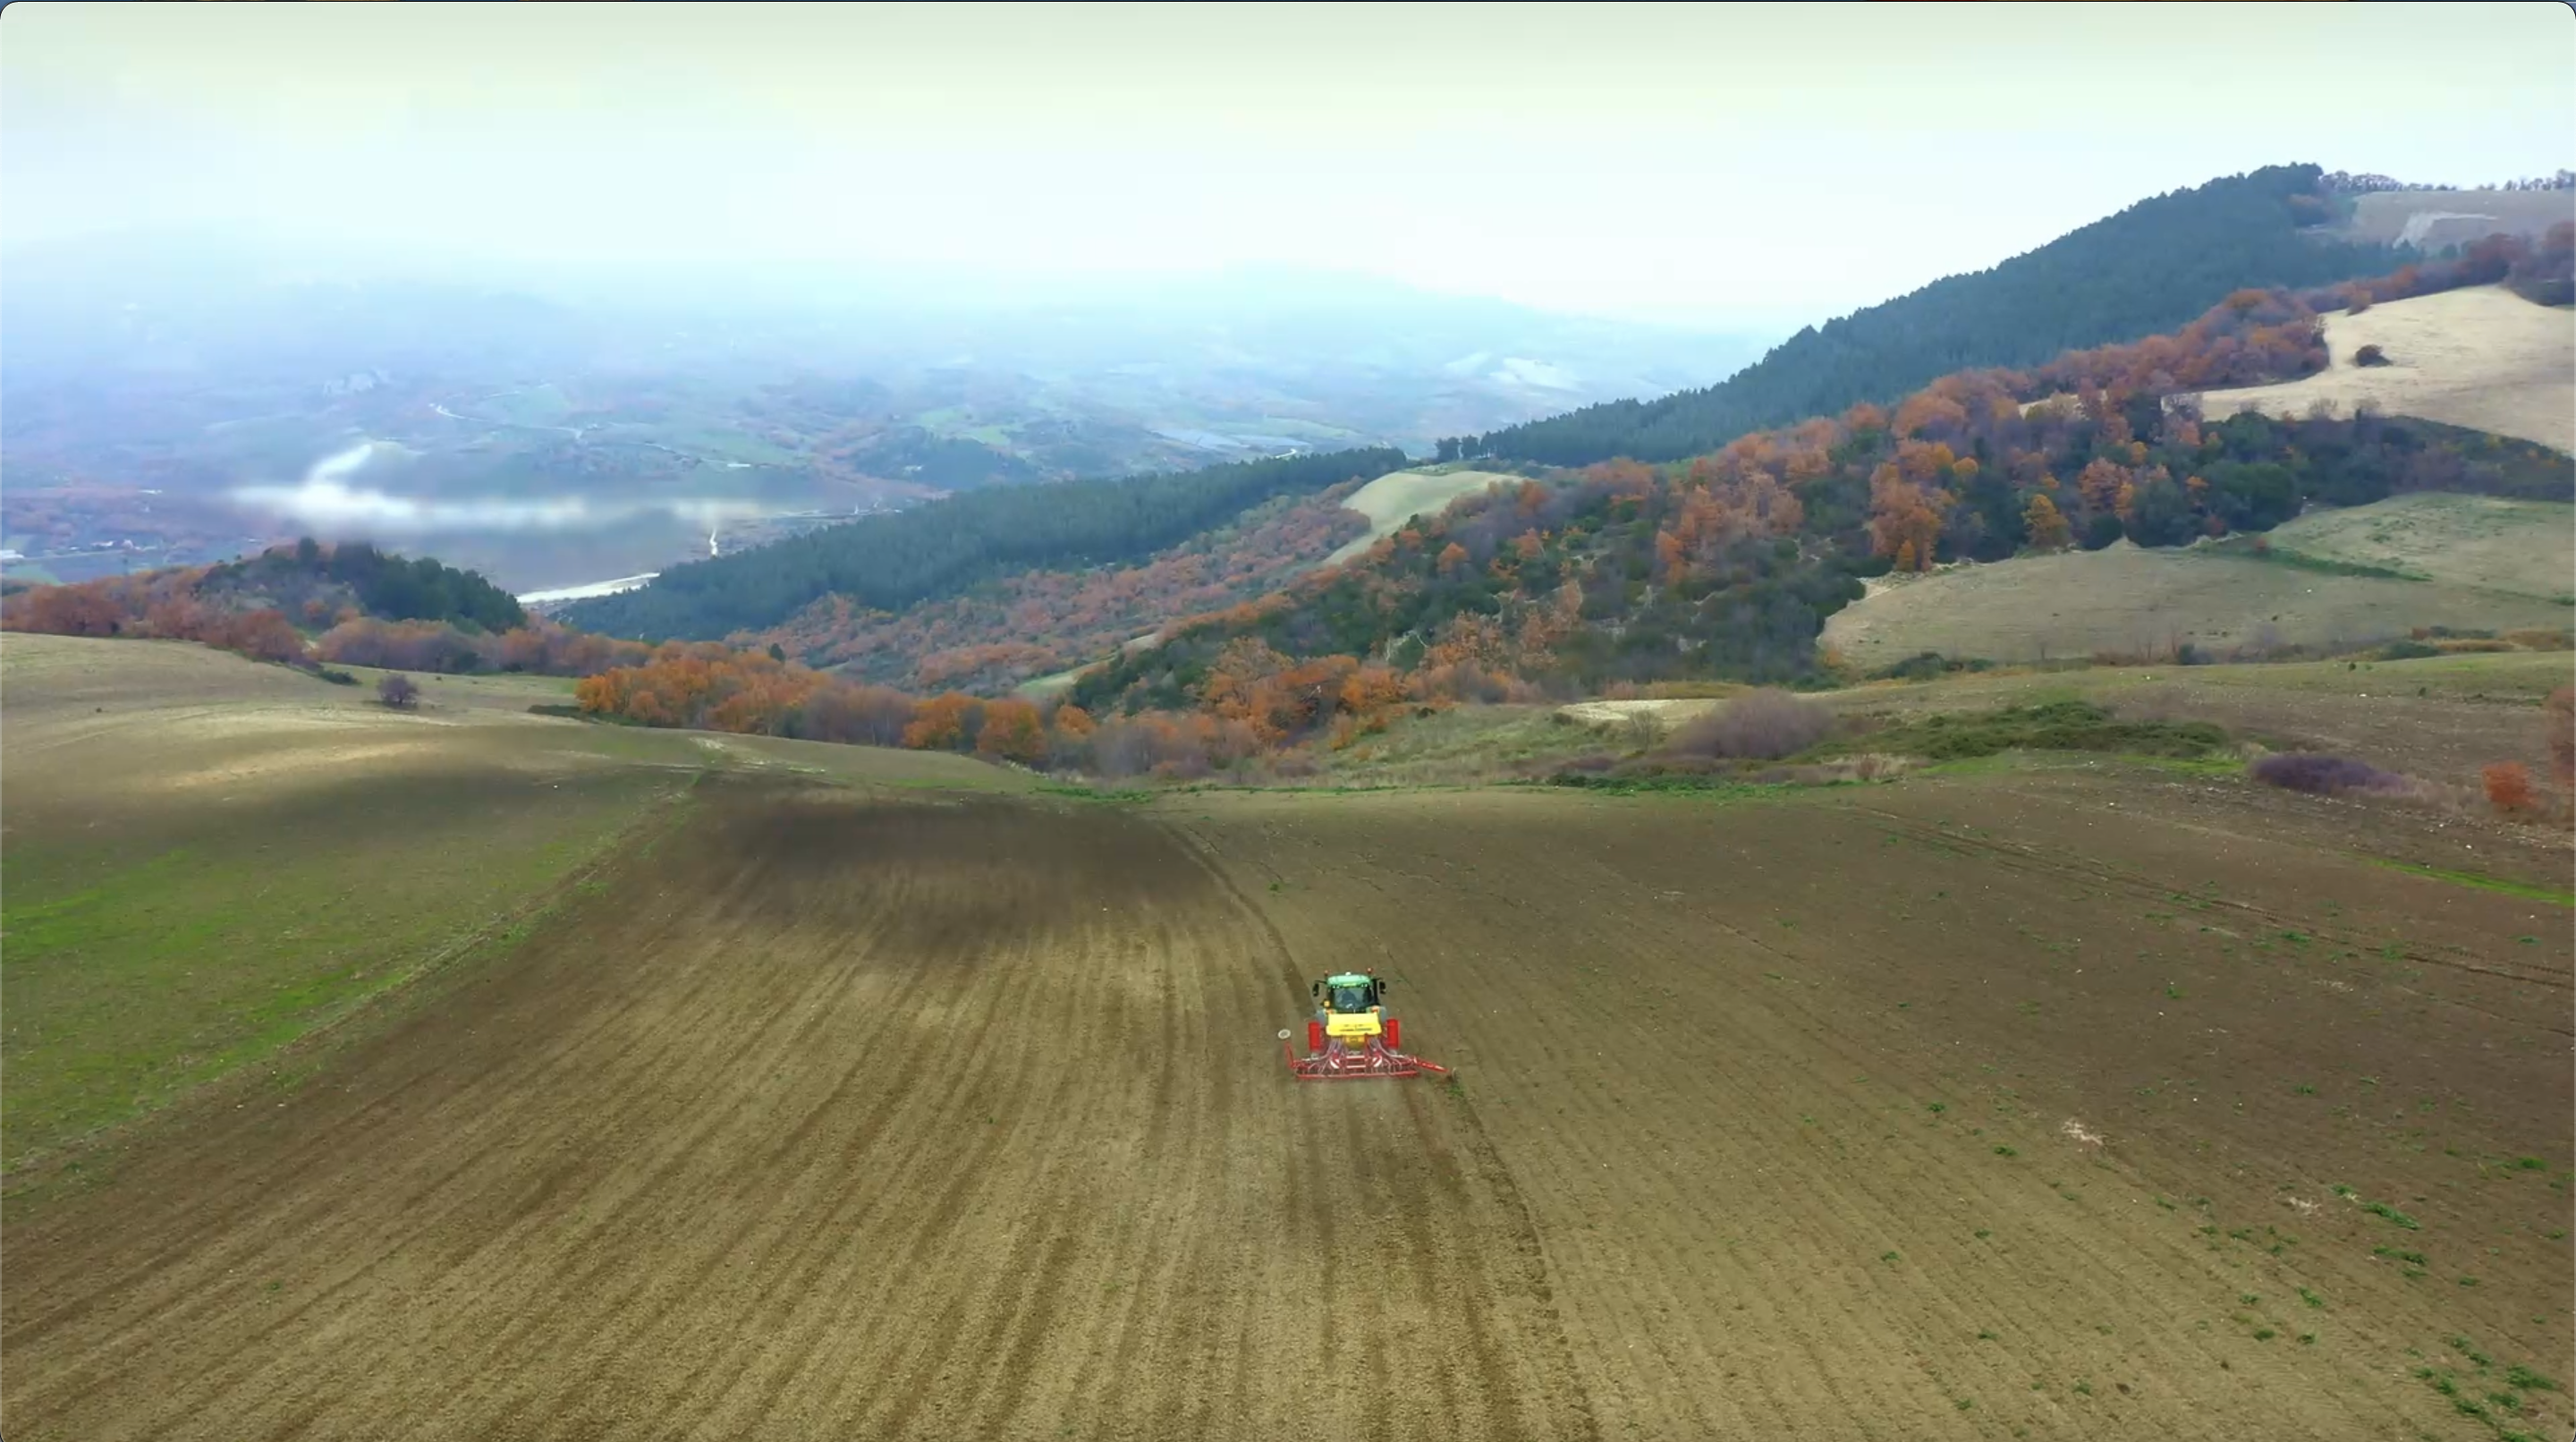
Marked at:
<point>2432,219</point>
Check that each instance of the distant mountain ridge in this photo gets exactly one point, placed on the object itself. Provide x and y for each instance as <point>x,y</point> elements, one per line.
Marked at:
<point>2149,269</point>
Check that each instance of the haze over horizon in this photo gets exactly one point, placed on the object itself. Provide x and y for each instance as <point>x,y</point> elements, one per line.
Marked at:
<point>1742,164</point>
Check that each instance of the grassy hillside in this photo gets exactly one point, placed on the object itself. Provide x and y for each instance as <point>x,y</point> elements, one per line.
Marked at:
<point>1391,500</point>
<point>2440,718</point>
<point>209,859</point>
<point>2464,562</point>
<point>1727,567</point>
<point>2148,269</point>
<point>2491,542</point>
<point>2480,357</point>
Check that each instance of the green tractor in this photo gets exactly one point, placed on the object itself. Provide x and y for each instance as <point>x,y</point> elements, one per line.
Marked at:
<point>1351,1035</point>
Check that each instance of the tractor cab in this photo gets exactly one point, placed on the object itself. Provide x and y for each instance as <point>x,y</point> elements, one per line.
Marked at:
<point>1351,1012</point>
<point>1349,994</point>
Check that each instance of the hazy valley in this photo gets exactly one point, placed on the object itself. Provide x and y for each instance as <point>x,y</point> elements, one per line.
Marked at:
<point>615,832</point>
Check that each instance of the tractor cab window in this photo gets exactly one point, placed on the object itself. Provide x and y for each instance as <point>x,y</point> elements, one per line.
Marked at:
<point>1353,998</point>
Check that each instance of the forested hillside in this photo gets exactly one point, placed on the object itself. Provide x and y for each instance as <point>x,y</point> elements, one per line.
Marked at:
<point>310,578</point>
<point>2146,270</point>
<point>1727,566</point>
<point>315,602</point>
<point>993,636</point>
<point>938,549</point>
<point>1723,566</point>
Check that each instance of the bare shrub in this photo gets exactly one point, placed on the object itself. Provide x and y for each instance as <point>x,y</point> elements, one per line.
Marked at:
<point>1643,728</point>
<point>856,715</point>
<point>1690,690</point>
<point>1122,748</point>
<point>2370,355</point>
<point>2541,638</point>
<point>398,691</point>
<point>1168,747</point>
<point>2154,702</point>
<point>1870,766</point>
<point>2263,643</point>
<point>1181,768</point>
<point>1759,725</point>
<point>2322,775</point>
<point>1841,772</point>
<point>1467,681</point>
<point>1670,765</point>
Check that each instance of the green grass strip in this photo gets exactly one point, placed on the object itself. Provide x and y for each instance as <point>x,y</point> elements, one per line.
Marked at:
<point>2529,891</point>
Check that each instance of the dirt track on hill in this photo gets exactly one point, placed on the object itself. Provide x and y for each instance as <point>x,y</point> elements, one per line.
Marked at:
<point>832,1118</point>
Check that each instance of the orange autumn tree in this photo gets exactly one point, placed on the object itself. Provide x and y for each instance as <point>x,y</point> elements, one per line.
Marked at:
<point>2046,525</point>
<point>2101,483</point>
<point>1012,731</point>
<point>2509,789</point>
<point>943,723</point>
<point>1905,518</point>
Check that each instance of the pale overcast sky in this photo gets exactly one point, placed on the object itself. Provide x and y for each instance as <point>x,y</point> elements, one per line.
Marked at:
<point>1636,160</point>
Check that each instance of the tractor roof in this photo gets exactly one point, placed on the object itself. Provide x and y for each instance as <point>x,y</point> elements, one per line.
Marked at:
<point>1348,978</point>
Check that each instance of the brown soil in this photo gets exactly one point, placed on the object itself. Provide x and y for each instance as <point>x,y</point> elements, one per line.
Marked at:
<point>832,1120</point>
<point>862,1119</point>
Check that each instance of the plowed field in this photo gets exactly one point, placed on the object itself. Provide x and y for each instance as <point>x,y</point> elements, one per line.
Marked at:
<point>1937,1110</point>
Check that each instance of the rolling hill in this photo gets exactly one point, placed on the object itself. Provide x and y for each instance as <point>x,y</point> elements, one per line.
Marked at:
<point>1016,628</point>
<point>513,1076</point>
<point>2130,601</point>
<point>2480,357</point>
<point>940,548</point>
<point>2148,269</point>
<point>1730,566</point>
<point>1394,498</point>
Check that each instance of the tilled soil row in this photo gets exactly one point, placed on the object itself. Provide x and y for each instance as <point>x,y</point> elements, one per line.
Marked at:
<point>826,1119</point>
<point>1940,1110</point>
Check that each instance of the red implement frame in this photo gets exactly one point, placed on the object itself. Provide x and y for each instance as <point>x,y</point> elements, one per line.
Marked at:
<point>1337,1062</point>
